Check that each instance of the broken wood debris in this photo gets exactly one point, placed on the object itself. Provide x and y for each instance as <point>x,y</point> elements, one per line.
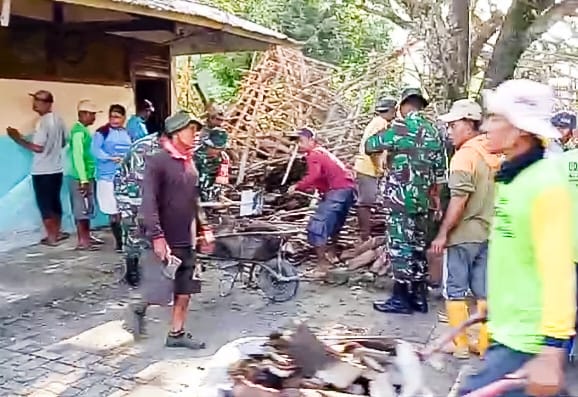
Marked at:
<point>300,364</point>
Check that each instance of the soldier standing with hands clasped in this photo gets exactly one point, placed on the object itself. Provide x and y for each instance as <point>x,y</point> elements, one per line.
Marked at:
<point>416,167</point>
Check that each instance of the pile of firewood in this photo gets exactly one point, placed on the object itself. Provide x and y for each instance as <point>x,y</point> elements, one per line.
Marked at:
<point>284,91</point>
<point>301,365</point>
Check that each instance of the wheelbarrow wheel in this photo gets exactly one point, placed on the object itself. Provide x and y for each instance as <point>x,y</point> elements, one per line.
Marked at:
<point>275,290</point>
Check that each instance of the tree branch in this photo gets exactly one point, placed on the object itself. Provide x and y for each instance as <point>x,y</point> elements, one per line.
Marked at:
<point>389,14</point>
<point>549,18</point>
<point>485,32</point>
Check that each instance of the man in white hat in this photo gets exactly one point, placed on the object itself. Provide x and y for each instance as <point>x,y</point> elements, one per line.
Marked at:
<point>81,182</point>
<point>466,225</point>
<point>531,275</point>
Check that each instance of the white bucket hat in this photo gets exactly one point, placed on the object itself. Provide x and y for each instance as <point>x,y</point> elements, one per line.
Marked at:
<point>526,104</point>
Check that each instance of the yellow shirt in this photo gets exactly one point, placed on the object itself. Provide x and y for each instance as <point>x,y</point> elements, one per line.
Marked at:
<point>364,164</point>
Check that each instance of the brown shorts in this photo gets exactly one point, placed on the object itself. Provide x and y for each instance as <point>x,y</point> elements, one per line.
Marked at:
<point>367,190</point>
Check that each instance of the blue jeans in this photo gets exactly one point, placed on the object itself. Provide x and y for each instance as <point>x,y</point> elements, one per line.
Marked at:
<point>499,362</point>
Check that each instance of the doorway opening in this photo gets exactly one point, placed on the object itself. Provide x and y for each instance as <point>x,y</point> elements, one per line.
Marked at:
<point>157,91</point>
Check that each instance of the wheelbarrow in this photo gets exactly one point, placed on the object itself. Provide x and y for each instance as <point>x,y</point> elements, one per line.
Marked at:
<point>255,257</point>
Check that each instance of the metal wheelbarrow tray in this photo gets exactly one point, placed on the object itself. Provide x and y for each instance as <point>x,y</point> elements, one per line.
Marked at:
<point>258,257</point>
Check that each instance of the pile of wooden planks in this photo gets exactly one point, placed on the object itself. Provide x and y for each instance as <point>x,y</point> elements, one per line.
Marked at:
<point>283,92</point>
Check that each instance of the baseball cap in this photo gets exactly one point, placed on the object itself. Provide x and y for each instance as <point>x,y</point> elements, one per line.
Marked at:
<point>42,95</point>
<point>463,109</point>
<point>86,105</point>
<point>526,104</point>
<point>564,119</point>
<point>178,121</point>
<point>385,104</point>
<point>306,133</point>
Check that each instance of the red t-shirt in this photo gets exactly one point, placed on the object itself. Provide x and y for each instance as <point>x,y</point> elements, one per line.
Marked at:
<point>325,172</point>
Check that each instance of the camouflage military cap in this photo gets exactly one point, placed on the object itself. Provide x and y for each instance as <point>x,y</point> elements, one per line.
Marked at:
<point>413,92</point>
<point>216,138</point>
<point>178,121</point>
<point>385,104</point>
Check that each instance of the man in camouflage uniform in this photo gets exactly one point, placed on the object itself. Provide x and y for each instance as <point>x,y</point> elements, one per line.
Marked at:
<point>128,192</point>
<point>416,167</point>
<point>212,164</point>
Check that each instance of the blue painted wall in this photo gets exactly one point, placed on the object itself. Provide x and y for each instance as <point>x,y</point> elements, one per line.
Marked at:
<point>20,222</point>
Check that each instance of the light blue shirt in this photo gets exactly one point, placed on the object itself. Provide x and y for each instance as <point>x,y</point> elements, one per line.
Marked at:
<point>116,144</point>
<point>136,127</point>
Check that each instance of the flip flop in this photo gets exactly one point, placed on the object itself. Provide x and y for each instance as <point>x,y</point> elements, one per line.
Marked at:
<point>314,275</point>
<point>96,241</point>
<point>47,243</point>
<point>90,248</point>
<point>63,236</point>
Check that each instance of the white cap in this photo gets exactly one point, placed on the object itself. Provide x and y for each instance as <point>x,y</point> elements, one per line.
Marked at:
<point>526,104</point>
<point>86,105</point>
<point>463,109</point>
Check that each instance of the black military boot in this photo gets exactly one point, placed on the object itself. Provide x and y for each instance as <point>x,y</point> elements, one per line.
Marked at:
<point>399,303</point>
<point>419,292</point>
<point>132,276</point>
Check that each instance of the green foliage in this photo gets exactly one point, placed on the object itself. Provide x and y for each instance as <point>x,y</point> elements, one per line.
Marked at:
<point>228,70</point>
<point>334,31</point>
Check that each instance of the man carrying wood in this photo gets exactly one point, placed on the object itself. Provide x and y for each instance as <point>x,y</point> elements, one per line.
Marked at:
<point>335,183</point>
<point>369,169</point>
<point>531,274</point>
<point>466,224</point>
<point>417,166</point>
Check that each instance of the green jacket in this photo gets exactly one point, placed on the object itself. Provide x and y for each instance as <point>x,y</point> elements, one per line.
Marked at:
<point>82,162</point>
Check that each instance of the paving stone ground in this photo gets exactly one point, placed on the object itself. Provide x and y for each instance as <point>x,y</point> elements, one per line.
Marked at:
<point>61,327</point>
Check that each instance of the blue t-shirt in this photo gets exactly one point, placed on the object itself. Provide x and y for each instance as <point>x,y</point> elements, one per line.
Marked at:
<point>136,128</point>
<point>116,144</point>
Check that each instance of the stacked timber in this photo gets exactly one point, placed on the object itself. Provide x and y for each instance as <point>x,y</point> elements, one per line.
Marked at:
<point>285,91</point>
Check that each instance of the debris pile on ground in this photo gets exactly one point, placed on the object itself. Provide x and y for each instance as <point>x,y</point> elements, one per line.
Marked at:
<point>300,364</point>
<point>285,91</point>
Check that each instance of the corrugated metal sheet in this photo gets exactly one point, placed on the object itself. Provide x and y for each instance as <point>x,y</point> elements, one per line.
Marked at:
<point>186,7</point>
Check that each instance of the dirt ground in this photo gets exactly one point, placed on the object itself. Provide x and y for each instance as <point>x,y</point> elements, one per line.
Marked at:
<point>61,330</point>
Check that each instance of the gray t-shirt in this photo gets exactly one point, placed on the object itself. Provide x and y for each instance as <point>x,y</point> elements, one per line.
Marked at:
<point>51,134</point>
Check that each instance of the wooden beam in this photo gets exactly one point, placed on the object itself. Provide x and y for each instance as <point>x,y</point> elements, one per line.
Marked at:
<point>136,25</point>
<point>57,13</point>
<point>5,15</point>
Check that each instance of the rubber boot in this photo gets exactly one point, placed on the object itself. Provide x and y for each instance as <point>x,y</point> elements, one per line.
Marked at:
<point>132,276</point>
<point>399,303</point>
<point>419,296</point>
<point>483,337</point>
<point>364,220</point>
<point>117,233</point>
<point>457,314</point>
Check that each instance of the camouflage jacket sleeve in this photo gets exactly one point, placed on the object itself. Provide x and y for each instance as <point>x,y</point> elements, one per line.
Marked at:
<point>440,160</point>
<point>380,142</point>
<point>121,180</point>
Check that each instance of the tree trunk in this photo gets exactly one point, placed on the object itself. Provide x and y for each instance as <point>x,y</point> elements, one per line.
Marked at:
<point>513,40</point>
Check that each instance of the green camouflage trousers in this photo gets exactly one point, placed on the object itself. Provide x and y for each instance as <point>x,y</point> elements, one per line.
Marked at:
<point>408,236</point>
<point>134,242</point>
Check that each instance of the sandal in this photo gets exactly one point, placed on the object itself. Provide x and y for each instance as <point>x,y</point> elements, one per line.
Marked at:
<point>63,236</point>
<point>86,248</point>
<point>48,243</point>
<point>314,275</point>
